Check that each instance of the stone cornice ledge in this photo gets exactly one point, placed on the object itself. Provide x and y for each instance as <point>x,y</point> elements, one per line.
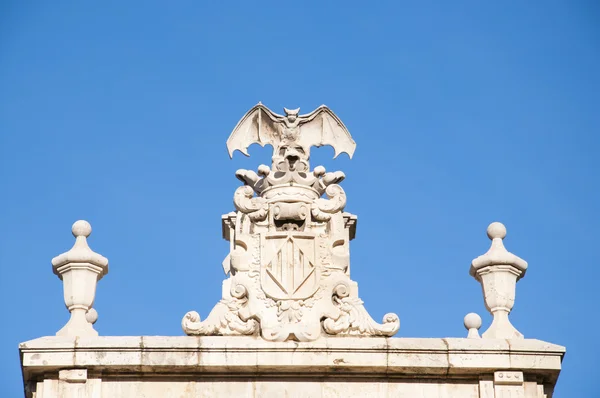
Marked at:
<point>235,356</point>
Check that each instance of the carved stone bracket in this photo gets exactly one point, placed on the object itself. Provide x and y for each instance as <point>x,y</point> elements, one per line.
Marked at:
<point>355,320</point>
<point>224,319</point>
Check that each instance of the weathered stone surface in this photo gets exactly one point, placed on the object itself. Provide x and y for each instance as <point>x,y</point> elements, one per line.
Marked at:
<point>387,365</point>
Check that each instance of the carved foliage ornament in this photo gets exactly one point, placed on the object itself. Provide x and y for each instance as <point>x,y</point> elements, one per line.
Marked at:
<point>288,267</point>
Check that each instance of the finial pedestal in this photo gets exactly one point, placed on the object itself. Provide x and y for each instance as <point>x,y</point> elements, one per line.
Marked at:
<point>498,271</point>
<point>80,269</point>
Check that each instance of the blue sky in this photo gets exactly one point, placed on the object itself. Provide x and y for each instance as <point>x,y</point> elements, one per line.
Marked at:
<point>464,113</point>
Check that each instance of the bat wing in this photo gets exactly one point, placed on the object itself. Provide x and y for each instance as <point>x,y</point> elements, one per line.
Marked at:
<point>322,128</point>
<point>258,126</point>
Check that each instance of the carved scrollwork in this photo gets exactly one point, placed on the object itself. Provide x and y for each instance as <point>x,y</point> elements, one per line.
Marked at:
<point>322,209</point>
<point>326,179</point>
<point>239,292</point>
<point>290,211</point>
<point>341,291</point>
<point>224,319</point>
<point>255,208</point>
<point>355,320</point>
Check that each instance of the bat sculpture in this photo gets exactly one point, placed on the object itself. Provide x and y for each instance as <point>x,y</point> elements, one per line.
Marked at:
<point>291,135</point>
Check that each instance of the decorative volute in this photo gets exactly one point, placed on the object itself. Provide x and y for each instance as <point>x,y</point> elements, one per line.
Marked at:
<point>80,269</point>
<point>498,271</point>
<point>289,258</point>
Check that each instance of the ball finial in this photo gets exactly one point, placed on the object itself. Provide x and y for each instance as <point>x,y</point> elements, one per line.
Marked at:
<point>81,228</point>
<point>496,230</point>
<point>91,315</point>
<point>472,321</point>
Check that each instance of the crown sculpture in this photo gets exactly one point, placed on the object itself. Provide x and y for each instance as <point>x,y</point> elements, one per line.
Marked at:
<point>289,259</point>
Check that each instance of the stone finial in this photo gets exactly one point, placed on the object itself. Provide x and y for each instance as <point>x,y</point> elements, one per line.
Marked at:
<point>80,269</point>
<point>498,271</point>
<point>472,323</point>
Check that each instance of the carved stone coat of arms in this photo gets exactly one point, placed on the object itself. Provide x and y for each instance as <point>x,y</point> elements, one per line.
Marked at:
<point>289,260</point>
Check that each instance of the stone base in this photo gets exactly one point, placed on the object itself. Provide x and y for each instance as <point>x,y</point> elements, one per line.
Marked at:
<point>186,367</point>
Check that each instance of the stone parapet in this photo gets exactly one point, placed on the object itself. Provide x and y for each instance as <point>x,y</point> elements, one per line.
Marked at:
<point>147,365</point>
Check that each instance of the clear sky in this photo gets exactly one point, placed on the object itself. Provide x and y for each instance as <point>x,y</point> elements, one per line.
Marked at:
<point>464,113</point>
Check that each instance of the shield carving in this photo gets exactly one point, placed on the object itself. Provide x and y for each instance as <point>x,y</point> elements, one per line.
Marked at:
<point>288,268</point>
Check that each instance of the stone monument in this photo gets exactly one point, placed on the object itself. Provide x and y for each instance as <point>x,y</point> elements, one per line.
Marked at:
<point>290,322</point>
<point>289,260</point>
